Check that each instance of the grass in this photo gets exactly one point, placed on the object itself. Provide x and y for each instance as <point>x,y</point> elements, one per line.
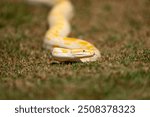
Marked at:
<point>120,29</point>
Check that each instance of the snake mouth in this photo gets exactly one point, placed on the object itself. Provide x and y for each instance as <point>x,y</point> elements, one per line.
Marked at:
<point>83,55</point>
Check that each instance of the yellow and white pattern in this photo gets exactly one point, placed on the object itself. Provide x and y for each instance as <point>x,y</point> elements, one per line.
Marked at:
<point>62,47</point>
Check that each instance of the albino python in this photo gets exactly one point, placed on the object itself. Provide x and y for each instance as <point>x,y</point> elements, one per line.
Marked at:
<point>64,48</point>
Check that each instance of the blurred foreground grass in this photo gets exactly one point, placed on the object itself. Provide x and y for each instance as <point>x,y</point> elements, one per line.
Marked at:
<point>120,29</point>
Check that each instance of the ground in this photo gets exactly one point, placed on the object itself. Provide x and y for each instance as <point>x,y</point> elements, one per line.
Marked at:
<point>120,29</point>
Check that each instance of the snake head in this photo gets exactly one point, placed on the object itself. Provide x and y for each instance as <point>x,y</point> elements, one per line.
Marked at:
<point>82,53</point>
<point>63,53</point>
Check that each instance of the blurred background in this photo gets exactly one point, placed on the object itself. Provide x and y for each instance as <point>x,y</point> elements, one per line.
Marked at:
<point>119,28</point>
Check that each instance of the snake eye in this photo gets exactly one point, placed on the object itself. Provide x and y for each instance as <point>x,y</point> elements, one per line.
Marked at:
<point>83,50</point>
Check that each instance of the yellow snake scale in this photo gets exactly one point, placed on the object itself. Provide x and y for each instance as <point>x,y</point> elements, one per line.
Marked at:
<point>62,47</point>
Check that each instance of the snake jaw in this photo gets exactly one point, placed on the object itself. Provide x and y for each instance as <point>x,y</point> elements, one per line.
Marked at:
<point>82,53</point>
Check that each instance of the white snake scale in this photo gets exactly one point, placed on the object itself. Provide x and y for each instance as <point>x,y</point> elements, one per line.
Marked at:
<point>62,47</point>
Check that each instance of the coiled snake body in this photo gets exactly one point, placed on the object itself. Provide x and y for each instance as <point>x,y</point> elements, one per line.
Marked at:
<point>63,48</point>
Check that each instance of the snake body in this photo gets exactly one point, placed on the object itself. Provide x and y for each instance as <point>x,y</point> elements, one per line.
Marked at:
<point>62,47</point>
